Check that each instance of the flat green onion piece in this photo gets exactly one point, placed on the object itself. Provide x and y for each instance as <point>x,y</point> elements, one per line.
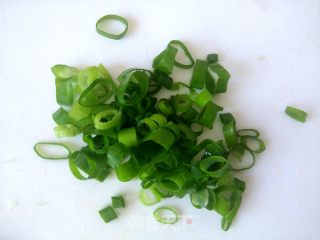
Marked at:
<point>87,75</point>
<point>41,152</point>
<point>234,205</point>
<point>209,114</point>
<point>128,137</point>
<point>254,144</point>
<point>133,88</point>
<point>78,112</point>
<point>241,158</point>
<point>149,197</point>
<point>61,116</point>
<point>162,79</point>
<point>98,143</point>
<point>182,103</point>
<point>161,136</point>
<point>79,160</point>
<point>166,215</point>
<point>64,92</point>
<point>215,148</point>
<point>104,72</point>
<point>197,128</point>
<point>64,72</point>
<point>202,98</point>
<point>146,125</point>
<point>98,92</point>
<point>66,130</point>
<point>108,214</point>
<point>296,114</point>
<point>186,52</point>
<point>164,107</point>
<point>222,77</point>
<point>174,182</point>
<point>146,105</point>
<point>174,129</point>
<point>106,18</point>
<point>226,118</point>
<point>159,119</point>
<point>165,61</point>
<point>116,154</point>
<point>230,134</point>
<point>212,58</point>
<point>248,132</point>
<point>117,202</point>
<point>128,169</point>
<point>199,75</point>
<point>204,198</point>
<point>107,119</point>
<point>215,166</point>
<point>190,115</point>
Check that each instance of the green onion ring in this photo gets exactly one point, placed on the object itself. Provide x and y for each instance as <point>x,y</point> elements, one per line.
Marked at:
<point>110,35</point>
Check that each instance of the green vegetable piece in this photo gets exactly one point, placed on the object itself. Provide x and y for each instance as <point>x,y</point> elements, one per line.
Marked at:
<point>118,202</point>
<point>106,18</point>
<point>164,62</point>
<point>39,148</point>
<point>166,215</point>
<point>61,116</point>
<point>296,114</point>
<point>108,214</point>
<point>209,114</point>
<point>64,92</point>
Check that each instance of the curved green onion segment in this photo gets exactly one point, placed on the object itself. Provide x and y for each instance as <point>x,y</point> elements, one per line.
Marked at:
<point>38,148</point>
<point>128,130</point>
<point>186,52</point>
<point>110,18</point>
<point>150,196</point>
<point>166,215</point>
<point>296,113</point>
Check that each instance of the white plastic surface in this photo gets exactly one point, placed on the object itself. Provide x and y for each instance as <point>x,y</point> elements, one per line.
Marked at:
<point>271,48</point>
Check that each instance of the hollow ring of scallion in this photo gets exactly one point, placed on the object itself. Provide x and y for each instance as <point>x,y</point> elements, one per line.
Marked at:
<point>110,35</point>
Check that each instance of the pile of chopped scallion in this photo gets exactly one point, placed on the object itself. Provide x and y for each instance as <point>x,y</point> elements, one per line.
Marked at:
<point>128,130</point>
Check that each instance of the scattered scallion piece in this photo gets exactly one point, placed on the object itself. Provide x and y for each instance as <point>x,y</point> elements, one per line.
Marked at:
<point>108,214</point>
<point>40,151</point>
<point>166,215</point>
<point>117,202</point>
<point>106,18</point>
<point>296,114</point>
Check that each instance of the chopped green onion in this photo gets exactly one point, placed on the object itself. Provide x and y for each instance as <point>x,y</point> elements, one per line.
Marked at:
<point>108,214</point>
<point>209,114</point>
<point>199,75</point>
<point>64,72</point>
<point>165,60</point>
<point>166,215</point>
<point>66,130</point>
<point>118,202</point>
<point>64,92</point>
<point>106,18</point>
<point>150,196</point>
<point>186,52</point>
<point>40,147</point>
<point>222,77</point>
<point>128,137</point>
<point>98,92</point>
<point>296,114</point>
<point>107,119</point>
<point>128,130</point>
<point>61,116</point>
<point>212,58</point>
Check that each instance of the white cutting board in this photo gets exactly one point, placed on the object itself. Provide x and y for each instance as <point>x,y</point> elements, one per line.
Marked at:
<point>271,48</point>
